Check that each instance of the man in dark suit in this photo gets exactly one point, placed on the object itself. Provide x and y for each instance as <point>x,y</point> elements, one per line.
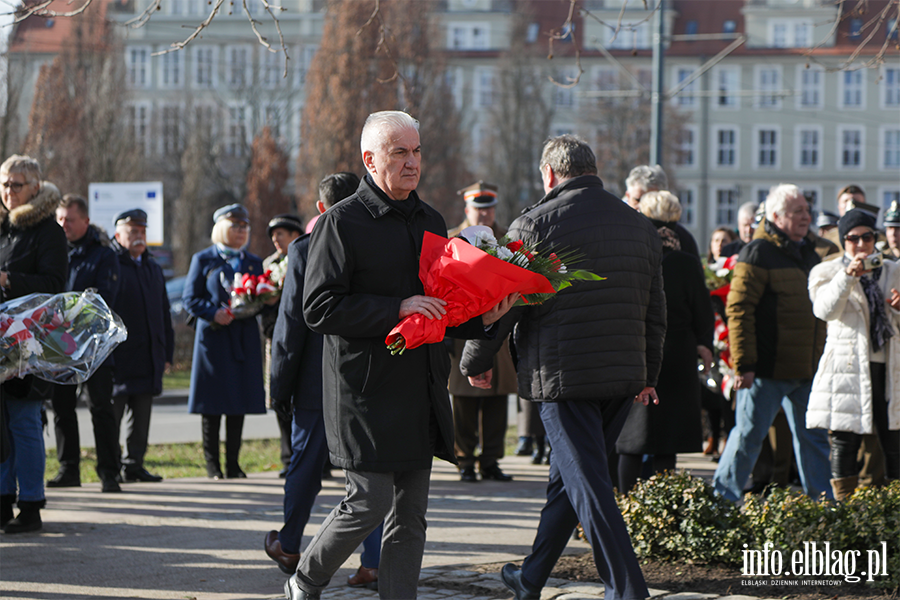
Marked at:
<point>143,304</point>
<point>295,387</point>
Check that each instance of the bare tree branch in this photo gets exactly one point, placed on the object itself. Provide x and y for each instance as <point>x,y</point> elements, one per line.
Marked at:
<point>41,10</point>
<point>262,40</point>
<point>203,25</point>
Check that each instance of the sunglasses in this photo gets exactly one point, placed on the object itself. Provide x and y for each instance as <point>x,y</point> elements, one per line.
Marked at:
<point>866,237</point>
<point>13,185</point>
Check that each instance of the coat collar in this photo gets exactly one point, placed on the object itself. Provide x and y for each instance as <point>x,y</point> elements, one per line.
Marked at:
<point>37,209</point>
<point>375,200</point>
<point>582,181</point>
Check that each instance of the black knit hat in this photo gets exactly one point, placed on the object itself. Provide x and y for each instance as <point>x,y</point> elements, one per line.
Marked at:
<point>855,218</point>
<point>289,222</point>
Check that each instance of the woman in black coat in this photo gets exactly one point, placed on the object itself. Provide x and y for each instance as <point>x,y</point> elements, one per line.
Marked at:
<point>672,426</point>
<point>33,259</point>
<point>226,372</point>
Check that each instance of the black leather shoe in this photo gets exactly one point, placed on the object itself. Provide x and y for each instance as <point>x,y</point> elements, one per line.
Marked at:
<point>110,486</point>
<point>512,578</point>
<point>292,591</point>
<point>525,447</point>
<point>468,474</point>
<point>139,474</point>
<point>65,479</point>
<point>286,562</point>
<point>282,474</point>
<point>235,473</point>
<point>494,472</point>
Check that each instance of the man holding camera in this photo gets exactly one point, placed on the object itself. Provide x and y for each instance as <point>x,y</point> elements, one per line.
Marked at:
<point>776,343</point>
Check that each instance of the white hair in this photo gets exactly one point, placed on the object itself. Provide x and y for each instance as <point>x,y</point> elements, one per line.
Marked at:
<point>748,210</point>
<point>648,178</point>
<point>661,205</point>
<point>778,197</point>
<point>377,124</point>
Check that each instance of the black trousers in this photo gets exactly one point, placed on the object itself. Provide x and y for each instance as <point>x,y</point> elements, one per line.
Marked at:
<point>65,421</point>
<point>140,407</point>
<point>484,418</point>
<point>845,444</point>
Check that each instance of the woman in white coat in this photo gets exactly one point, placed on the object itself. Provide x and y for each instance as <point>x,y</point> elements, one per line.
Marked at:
<point>856,389</point>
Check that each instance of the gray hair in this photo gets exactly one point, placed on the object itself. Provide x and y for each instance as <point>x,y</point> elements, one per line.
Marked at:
<point>661,206</point>
<point>748,209</point>
<point>18,163</point>
<point>569,156</point>
<point>648,178</point>
<point>778,197</point>
<point>379,123</point>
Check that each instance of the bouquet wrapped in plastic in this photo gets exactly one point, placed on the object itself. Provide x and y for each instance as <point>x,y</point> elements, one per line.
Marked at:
<point>62,338</point>
<point>472,280</point>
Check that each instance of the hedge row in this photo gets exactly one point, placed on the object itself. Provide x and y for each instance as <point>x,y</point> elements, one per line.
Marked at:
<point>675,516</point>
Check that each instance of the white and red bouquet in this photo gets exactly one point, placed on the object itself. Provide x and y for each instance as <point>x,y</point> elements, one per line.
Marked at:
<point>249,293</point>
<point>718,281</point>
<point>61,338</point>
<point>473,276</point>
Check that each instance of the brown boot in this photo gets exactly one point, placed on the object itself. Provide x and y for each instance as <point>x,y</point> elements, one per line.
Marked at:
<point>843,487</point>
<point>710,447</point>
<point>364,578</point>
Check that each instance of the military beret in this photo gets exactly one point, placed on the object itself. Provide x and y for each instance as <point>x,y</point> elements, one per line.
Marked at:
<point>892,216</point>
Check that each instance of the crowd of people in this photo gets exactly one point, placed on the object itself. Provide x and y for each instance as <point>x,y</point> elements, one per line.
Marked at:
<point>612,377</point>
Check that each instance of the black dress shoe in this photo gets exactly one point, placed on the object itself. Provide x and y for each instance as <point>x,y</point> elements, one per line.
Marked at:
<point>494,472</point>
<point>468,474</point>
<point>292,591</point>
<point>286,562</point>
<point>282,474</point>
<point>512,578</point>
<point>139,474</point>
<point>111,486</point>
<point>65,479</point>
<point>235,473</point>
<point>525,446</point>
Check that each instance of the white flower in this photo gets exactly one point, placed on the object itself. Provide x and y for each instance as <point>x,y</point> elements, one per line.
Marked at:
<point>562,268</point>
<point>504,253</point>
<point>479,235</point>
<point>31,347</point>
<point>722,272</point>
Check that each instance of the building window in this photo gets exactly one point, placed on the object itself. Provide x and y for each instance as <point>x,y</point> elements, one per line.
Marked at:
<point>171,129</point>
<point>305,55</point>
<point>484,87</point>
<point>468,36</point>
<point>767,149</point>
<point>238,67</point>
<point>726,147</point>
<point>236,140</point>
<point>564,97</point>
<point>272,69</point>
<point>809,141</point>
<point>855,29</point>
<point>686,96</point>
<point>790,33</point>
<point>139,125</point>
<point>888,197</point>
<point>685,155</point>
<point>891,83</point>
<point>629,36</point>
<point>275,114</point>
<point>779,35</point>
<point>686,198</point>
<point>768,84</point>
<point>172,69</point>
<point>205,60</point>
<point>728,82</point>
<point>761,195</point>
<point>726,206</point>
<point>891,148</point>
<point>851,148</point>
<point>137,60</point>
<point>811,81</point>
<point>852,89</point>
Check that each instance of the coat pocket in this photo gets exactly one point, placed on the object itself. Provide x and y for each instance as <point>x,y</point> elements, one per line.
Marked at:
<point>355,364</point>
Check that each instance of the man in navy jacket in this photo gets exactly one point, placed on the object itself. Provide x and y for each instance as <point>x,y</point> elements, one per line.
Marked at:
<point>92,264</point>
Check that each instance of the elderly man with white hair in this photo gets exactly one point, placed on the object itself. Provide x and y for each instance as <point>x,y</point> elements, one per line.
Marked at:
<point>776,343</point>
<point>646,178</point>
<point>386,416</point>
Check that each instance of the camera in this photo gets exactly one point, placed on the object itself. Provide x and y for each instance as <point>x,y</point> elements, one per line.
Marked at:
<point>873,261</point>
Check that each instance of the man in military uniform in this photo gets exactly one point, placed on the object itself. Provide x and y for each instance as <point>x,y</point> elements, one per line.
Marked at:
<point>892,232</point>
<point>472,406</point>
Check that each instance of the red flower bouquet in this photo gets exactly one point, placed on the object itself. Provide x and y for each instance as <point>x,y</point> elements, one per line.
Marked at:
<point>249,293</point>
<point>472,280</point>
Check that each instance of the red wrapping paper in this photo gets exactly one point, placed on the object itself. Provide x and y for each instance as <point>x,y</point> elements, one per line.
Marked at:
<point>470,280</point>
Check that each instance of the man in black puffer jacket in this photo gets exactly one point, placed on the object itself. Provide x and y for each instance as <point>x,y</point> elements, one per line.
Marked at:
<point>92,264</point>
<point>586,356</point>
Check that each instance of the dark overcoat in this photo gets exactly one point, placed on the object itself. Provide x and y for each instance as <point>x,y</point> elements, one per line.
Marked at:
<point>673,426</point>
<point>382,412</point>
<point>226,374</point>
<point>296,372</point>
<point>94,264</point>
<point>143,304</point>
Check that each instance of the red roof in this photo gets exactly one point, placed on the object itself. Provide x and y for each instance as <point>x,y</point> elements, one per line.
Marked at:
<point>38,34</point>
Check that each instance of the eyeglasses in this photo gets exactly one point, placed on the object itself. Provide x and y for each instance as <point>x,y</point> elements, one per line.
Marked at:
<point>866,237</point>
<point>13,185</point>
<point>240,226</point>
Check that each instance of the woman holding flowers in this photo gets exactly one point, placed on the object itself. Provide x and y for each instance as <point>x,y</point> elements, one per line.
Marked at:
<point>226,375</point>
<point>33,259</point>
<point>672,426</point>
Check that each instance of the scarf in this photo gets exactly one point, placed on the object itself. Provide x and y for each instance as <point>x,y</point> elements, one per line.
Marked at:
<point>670,241</point>
<point>231,256</point>
<point>880,330</point>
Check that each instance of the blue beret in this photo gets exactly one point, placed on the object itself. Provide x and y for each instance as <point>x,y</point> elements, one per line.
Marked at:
<point>235,212</point>
<point>135,216</point>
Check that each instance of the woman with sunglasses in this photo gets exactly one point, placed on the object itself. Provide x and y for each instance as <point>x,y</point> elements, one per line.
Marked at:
<point>856,389</point>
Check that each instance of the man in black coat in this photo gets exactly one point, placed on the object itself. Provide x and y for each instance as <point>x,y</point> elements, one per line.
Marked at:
<point>295,386</point>
<point>386,416</point>
<point>92,264</point>
<point>140,361</point>
<point>643,179</point>
<point>586,355</point>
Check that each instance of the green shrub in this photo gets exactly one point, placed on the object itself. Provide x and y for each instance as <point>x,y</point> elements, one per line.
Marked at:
<point>784,517</point>
<point>677,516</point>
